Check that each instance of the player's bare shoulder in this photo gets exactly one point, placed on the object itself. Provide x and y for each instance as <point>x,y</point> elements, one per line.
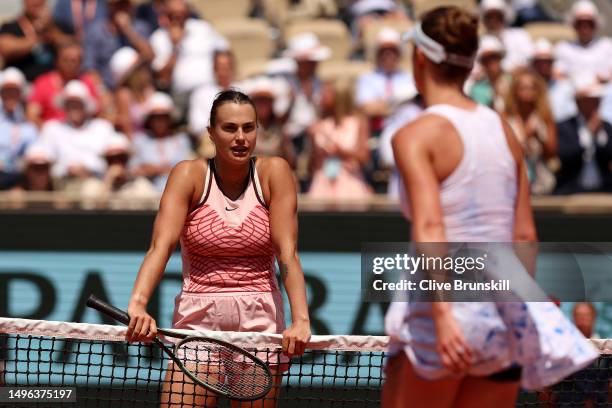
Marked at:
<point>272,167</point>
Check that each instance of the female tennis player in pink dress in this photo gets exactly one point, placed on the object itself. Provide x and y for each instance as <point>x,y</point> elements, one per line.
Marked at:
<point>465,181</point>
<point>233,216</point>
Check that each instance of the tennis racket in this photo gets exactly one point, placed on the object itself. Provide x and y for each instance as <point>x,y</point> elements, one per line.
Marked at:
<point>216,365</point>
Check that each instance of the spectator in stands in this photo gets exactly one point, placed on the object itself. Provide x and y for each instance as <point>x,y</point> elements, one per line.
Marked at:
<point>184,49</point>
<point>494,81</point>
<point>405,113</point>
<point>606,103</point>
<point>585,315</point>
<point>380,91</point>
<point>77,141</point>
<point>42,104</point>
<point>105,37</point>
<point>76,16</point>
<point>133,87</point>
<point>589,387</point>
<point>306,89</point>
<point>118,181</point>
<point>158,148</point>
<point>200,102</point>
<point>149,12</point>
<point>340,150</point>
<point>585,143</point>
<point>28,43</point>
<point>496,16</point>
<point>590,54</point>
<point>36,176</point>
<point>560,90</point>
<point>527,111</point>
<point>270,96</point>
<point>16,134</point>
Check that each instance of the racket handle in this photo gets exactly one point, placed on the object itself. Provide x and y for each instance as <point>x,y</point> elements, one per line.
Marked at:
<point>95,303</point>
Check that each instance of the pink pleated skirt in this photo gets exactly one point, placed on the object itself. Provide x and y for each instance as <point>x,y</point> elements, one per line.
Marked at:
<point>232,311</point>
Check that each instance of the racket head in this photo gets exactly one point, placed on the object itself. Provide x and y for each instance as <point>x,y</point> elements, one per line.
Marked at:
<point>223,368</point>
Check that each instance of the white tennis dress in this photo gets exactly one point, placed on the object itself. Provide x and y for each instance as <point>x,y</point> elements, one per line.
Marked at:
<point>478,201</point>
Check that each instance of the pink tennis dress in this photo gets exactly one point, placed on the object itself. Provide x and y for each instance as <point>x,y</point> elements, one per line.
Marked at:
<point>229,280</point>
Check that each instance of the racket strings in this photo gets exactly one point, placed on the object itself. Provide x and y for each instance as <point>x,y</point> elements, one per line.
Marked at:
<point>229,371</point>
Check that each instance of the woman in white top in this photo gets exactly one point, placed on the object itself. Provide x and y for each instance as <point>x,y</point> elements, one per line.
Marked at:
<point>465,181</point>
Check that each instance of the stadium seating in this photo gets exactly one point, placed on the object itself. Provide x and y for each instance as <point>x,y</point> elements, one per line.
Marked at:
<point>249,38</point>
<point>213,10</point>
<point>332,33</point>
<point>553,32</point>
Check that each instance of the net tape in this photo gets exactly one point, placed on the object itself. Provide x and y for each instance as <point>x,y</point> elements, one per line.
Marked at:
<point>336,371</point>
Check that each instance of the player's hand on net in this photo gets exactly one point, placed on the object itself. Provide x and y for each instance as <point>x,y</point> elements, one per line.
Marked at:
<point>142,326</point>
<point>295,338</point>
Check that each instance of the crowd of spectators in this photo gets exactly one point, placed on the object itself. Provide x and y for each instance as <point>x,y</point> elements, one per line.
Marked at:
<point>104,97</point>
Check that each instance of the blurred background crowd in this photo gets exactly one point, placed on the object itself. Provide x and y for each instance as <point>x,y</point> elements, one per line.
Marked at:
<point>103,98</point>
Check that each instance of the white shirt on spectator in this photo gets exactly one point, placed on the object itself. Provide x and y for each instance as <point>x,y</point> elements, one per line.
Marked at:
<point>519,48</point>
<point>377,85</point>
<point>562,100</point>
<point>82,146</point>
<point>605,108</point>
<point>574,60</point>
<point>194,64</point>
<point>404,114</point>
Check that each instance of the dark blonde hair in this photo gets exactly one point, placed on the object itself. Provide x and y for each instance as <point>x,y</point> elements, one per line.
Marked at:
<point>511,102</point>
<point>456,30</point>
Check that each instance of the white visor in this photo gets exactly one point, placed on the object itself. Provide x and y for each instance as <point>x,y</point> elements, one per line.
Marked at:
<point>435,51</point>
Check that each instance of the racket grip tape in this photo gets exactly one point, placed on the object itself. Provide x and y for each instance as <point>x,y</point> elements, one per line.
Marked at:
<point>95,303</point>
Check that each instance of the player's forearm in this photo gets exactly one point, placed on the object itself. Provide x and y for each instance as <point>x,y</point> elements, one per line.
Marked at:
<point>293,280</point>
<point>149,275</point>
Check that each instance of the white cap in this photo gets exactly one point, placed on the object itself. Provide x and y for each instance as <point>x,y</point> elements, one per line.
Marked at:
<point>12,76</point>
<point>490,44</point>
<point>361,7</point>
<point>387,36</point>
<point>276,88</point>
<point>306,46</point>
<point>543,49</point>
<point>158,103</point>
<point>38,153</point>
<point>76,89</point>
<point>281,66</point>
<point>583,9</point>
<point>122,63</point>
<point>587,85</point>
<point>117,144</point>
<point>497,5</point>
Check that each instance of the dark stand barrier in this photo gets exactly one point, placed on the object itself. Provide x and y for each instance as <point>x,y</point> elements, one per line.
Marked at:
<point>55,230</point>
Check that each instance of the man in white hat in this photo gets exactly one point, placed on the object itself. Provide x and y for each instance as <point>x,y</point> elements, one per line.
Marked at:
<point>78,140</point>
<point>560,90</point>
<point>36,175</point>
<point>488,90</point>
<point>589,54</point>
<point>497,16</point>
<point>306,86</point>
<point>16,134</point>
<point>42,102</point>
<point>585,143</point>
<point>158,148</point>
<point>118,180</point>
<point>378,92</point>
